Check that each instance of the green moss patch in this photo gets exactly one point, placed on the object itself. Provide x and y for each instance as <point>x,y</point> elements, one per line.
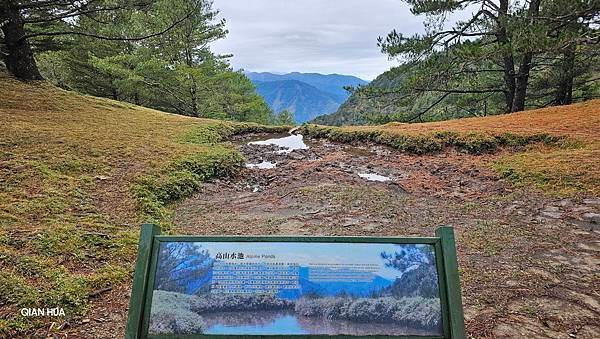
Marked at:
<point>434,142</point>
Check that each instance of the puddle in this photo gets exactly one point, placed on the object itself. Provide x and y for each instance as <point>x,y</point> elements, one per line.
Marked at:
<point>288,144</point>
<point>374,177</point>
<point>262,165</point>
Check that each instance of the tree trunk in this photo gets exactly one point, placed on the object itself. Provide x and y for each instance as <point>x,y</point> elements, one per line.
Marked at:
<point>194,97</point>
<point>508,63</point>
<point>522,83</point>
<point>18,58</point>
<point>564,91</point>
<point>522,78</point>
<point>509,82</point>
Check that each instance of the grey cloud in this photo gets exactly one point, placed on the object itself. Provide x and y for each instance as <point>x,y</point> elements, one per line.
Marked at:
<point>326,36</point>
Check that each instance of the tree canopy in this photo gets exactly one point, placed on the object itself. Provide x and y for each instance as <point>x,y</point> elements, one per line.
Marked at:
<point>506,57</point>
<point>154,53</point>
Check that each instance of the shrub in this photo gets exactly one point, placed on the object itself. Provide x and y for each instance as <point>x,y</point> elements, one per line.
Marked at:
<point>432,142</point>
<point>413,311</point>
<point>170,320</point>
<point>183,177</point>
<point>171,314</point>
<point>238,302</point>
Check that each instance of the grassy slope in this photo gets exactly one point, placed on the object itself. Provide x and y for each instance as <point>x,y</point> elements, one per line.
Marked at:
<point>78,174</point>
<point>568,169</point>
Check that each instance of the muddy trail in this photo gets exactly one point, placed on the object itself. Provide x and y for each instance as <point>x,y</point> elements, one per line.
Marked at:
<point>529,263</point>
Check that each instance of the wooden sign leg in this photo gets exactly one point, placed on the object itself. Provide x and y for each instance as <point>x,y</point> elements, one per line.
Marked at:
<point>457,321</point>
<point>140,281</point>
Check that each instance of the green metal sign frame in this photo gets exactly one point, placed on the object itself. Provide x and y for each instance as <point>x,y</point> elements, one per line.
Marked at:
<point>145,269</point>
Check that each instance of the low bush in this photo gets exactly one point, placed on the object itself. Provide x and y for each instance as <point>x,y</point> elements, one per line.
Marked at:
<point>413,311</point>
<point>183,176</point>
<point>171,314</point>
<point>221,302</point>
<point>238,302</point>
<point>434,142</point>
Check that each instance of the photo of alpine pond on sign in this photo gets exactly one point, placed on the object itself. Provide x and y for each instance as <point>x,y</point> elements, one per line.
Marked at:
<point>286,288</point>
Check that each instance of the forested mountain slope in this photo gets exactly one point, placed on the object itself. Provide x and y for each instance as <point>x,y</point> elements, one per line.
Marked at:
<point>305,95</point>
<point>303,100</point>
<point>357,109</point>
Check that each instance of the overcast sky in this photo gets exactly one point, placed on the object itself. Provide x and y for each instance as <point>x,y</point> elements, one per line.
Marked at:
<point>324,36</point>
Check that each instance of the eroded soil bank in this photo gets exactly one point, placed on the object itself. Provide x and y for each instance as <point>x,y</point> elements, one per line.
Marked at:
<point>529,263</point>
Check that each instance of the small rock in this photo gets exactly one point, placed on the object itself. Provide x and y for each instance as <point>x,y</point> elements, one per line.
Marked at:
<point>591,201</point>
<point>564,202</point>
<point>85,321</point>
<point>551,209</point>
<point>350,222</point>
<point>551,214</point>
<point>296,156</point>
<point>291,227</point>
<point>594,218</point>
<point>102,177</point>
<point>369,227</point>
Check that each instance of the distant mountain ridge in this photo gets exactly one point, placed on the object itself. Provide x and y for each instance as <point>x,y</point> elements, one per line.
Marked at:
<point>307,95</point>
<point>356,109</point>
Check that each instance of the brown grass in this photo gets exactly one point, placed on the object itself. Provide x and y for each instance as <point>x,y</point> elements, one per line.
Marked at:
<point>69,220</point>
<point>561,171</point>
<point>580,121</point>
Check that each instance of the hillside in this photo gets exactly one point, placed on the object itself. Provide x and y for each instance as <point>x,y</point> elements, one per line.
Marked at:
<point>521,192</point>
<point>356,108</point>
<point>302,99</point>
<point>307,95</point>
<point>78,175</point>
<point>570,168</point>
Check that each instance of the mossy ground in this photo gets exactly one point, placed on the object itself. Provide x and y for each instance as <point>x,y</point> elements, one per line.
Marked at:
<point>555,149</point>
<point>78,176</point>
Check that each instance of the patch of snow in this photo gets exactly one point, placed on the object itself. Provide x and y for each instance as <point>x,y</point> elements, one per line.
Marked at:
<point>374,177</point>
<point>262,165</point>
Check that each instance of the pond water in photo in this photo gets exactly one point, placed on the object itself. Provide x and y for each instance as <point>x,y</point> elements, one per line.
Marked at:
<point>288,143</point>
<point>288,323</point>
<point>262,165</point>
<point>374,177</point>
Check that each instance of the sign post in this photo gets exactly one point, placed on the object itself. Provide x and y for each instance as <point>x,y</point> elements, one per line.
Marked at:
<point>210,287</point>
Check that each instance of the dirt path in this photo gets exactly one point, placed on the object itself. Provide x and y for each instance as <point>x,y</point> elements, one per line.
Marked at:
<point>530,264</point>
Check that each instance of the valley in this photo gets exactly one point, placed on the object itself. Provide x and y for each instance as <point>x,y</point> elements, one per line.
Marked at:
<point>306,95</point>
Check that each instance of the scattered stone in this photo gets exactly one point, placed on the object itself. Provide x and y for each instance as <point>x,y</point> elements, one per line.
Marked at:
<point>102,177</point>
<point>296,156</point>
<point>591,201</point>
<point>582,209</point>
<point>592,217</point>
<point>351,222</point>
<point>85,321</point>
<point>291,227</point>
<point>564,202</point>
<point>369,227</point>
<point>551,212</point>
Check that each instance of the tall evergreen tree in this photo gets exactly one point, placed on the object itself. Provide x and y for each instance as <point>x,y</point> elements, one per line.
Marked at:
<point>30,26</point>
<point>494,51</point>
